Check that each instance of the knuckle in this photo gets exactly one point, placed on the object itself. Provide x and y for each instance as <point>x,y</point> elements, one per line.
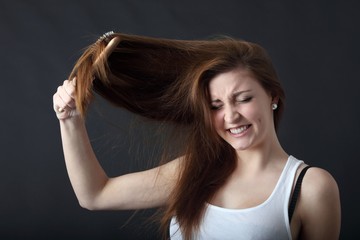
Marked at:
<point>70,90</point>
<point>72,93</point>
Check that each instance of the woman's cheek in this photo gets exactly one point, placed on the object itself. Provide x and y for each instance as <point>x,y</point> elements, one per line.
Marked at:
<point>217,120</point>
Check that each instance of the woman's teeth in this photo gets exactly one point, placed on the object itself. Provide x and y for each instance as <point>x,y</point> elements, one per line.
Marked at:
<point>238,130</point>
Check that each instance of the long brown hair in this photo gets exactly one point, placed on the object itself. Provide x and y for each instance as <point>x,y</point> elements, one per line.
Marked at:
<point>167,80</point>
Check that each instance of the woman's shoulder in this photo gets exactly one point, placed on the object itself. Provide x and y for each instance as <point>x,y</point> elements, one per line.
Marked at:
<point>318,183</point>
<point>319,204</point>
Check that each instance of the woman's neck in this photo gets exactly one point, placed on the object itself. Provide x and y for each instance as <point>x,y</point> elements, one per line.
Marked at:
<point>260,157</point>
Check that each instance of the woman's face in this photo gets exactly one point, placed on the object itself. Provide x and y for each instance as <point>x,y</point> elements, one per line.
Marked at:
<point>241,109</point>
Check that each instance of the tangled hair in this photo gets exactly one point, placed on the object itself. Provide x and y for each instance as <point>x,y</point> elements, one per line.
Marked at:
<point>167,80</point>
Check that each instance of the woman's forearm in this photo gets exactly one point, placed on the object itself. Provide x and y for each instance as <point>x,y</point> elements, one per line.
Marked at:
<point>85,172</point>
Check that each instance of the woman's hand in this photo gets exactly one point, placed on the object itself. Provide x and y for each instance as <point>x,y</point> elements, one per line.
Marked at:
<point>64,100</point>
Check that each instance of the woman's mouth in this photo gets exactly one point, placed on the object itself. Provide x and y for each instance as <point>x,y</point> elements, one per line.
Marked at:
<point>239,130</point>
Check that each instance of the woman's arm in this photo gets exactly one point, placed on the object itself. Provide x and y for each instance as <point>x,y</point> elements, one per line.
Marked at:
<point>319,206</point>
<point>93,188</point>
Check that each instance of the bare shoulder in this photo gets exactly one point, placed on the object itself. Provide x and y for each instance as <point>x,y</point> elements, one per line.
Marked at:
<point>319,205</point>
<point>319,184</point>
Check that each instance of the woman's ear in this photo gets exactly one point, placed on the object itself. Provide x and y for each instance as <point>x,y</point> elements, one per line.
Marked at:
<point>274,103</point>
<point>275,100</point>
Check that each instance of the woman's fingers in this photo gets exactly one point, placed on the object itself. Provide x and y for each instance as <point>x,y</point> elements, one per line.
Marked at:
<point>73,81</point>
<point>68,93</point>
<point>64,100</point>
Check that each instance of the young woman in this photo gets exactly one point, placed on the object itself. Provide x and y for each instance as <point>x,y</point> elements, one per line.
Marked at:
<point>231,179</point>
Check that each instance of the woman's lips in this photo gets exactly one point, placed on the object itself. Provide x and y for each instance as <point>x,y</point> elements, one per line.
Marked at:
<point>239,130</point>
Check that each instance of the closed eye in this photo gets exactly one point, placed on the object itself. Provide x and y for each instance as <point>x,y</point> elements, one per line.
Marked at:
<point>242,96</point>
<point>215,107</point>
<point>244,99</point>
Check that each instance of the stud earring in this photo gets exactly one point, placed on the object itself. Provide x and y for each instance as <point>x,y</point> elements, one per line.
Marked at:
<point>274,106</point>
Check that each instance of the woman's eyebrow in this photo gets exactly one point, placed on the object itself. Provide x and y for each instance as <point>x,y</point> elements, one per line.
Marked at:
<point>235,94</point>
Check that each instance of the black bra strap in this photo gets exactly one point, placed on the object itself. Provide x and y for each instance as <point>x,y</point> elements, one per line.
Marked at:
<point>296,192</point>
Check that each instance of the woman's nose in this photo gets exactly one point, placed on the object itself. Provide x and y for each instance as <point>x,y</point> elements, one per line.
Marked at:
<point>231,115</point>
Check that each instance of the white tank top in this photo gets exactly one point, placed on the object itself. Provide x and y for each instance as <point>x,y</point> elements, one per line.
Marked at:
<point>269,220</point>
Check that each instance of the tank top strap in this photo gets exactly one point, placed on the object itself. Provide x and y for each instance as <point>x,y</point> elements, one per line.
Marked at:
<point>286,186</point>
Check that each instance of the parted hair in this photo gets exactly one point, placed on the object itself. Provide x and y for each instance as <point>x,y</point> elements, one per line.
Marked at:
<point>167,80</point>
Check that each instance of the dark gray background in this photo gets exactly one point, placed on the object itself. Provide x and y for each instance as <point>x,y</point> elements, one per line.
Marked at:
<point>314,46</point>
